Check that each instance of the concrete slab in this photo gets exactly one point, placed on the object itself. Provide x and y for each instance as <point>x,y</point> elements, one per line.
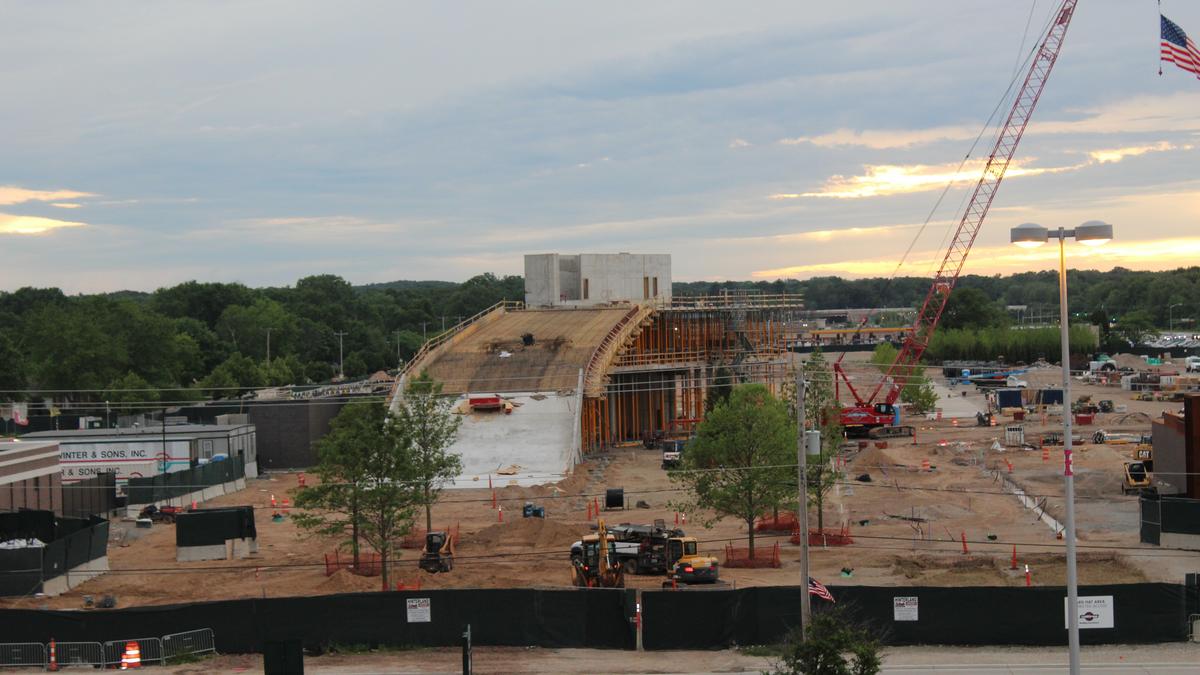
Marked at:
<point>955,405</point>
<point>536,439</point>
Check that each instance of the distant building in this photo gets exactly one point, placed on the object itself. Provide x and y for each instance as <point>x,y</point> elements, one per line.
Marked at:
<point>30,476</point>
<point>149,450</point>
<point>586,279</point>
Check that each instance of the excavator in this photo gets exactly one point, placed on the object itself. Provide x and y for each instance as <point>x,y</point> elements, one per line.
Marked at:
<point>598,566</point>
<point>878,412</point>
<point>686,565</point>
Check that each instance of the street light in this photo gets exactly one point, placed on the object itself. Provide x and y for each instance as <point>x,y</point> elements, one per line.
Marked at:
<point>1091,233</point>
<point>1171,315</point>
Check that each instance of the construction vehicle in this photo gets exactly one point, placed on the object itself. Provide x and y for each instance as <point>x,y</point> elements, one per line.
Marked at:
<point>686,565</point>
<point>1137,477</point>
<point>672,453</point>
<point>161,514</point>
<point>878,408</point>
<point>892,431</point>
<point>984,419</point>
<point>597,565</point>
<point>1144,395</point>
<point>438,554</point>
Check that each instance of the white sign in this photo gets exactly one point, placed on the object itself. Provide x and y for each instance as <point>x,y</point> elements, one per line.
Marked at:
<point>418,610</point>
<point>81,461</point>
<point>1095,611</point>
<point>904,608</point>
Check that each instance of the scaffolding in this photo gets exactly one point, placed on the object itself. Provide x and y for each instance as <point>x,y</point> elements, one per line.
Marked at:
<point>657,385</point>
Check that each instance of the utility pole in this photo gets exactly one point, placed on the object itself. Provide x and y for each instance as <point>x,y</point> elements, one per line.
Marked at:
<point>443,324</point>
<point>802,505</point>
<point>399,361</point>
<point>268,346</point>
<point>424,339</point>
<point>341,362</point>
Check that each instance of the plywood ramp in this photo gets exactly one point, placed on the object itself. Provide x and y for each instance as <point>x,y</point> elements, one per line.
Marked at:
<point>493,358</point>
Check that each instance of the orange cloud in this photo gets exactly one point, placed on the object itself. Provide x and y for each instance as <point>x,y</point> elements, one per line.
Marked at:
<point>10,224</point>
<point>11,194</point>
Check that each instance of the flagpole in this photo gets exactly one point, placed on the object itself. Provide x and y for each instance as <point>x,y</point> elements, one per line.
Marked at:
<point>1160,38</point>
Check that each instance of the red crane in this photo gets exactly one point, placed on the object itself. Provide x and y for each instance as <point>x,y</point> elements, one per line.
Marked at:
<point>869,413</point>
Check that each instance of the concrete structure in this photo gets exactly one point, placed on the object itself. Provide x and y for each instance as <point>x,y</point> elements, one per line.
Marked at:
<point>535,443</point>
<point>575,379</point>
<point>1176,439</point>
<point>149,451</point>
<point>588,279</point>
<point>30,476</point>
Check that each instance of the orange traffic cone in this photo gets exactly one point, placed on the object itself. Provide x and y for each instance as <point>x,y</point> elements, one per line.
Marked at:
<point>132,658</point>
<point>1045,454</point>
<point>52,665</point>
<point>301,480</point>
<point>925,465</point>
<point>286,505</point>
<point>1014,558</point>
<point>500,513</point>
<point>273,504</point>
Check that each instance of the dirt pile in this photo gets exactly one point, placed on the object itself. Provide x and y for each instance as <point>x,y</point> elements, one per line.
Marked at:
<point>532,533</point>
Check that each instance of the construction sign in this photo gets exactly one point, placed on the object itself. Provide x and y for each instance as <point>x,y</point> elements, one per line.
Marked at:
<point>1095,611</point>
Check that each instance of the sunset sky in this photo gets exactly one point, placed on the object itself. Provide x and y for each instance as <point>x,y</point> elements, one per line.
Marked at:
<point>146,144</point>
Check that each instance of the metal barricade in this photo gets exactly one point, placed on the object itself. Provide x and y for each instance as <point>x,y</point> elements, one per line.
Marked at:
<point>80,654</point>
<point>198,641</point>
<point>22,654</point>
<point>151,650</point>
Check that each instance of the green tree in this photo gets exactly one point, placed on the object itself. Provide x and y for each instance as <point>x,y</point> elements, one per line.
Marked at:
<point>835,646</point>
<point>248,328</point>
<point>742,461</point>
<point>236,376</point>
<point>919,394</point>
<point>718,393</point>
<point>12,369</point>
<point>131,393</point>
<point>971,308</point>
<point>363,490</point>
<point>1135,327</point>
<point>424,427</point>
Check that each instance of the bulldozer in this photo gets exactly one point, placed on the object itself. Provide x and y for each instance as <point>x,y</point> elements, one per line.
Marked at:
<point>1137,478</point>
<point>686,565</point>
<point>597,566</point>
<point>438,554</point>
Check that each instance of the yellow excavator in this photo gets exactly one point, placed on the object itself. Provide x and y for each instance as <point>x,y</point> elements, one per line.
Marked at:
<point>598,565</point>
<point>686,565</point>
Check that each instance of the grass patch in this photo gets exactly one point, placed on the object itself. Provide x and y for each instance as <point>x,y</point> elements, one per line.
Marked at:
<point>761,650</point>
<point>359,648</point>
<point>185,659</point>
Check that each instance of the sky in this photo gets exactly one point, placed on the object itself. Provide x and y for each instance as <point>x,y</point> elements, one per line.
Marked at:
<point>147,144</point>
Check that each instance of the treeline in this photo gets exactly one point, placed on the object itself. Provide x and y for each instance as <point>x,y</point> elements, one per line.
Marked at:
<point>1162,296</point>
<point>1024,345</point>
<point>212,338</point>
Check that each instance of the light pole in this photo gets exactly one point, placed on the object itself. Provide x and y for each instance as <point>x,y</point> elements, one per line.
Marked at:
<point>1092,233</point>
<point>1171,315</point>
<point>341,361</point>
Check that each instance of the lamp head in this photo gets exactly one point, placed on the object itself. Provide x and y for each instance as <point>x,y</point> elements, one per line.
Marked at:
<point>1094,233</point>
<point>1028,235</point>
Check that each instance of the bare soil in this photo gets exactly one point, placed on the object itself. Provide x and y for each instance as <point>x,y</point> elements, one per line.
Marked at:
<point>907,524</point>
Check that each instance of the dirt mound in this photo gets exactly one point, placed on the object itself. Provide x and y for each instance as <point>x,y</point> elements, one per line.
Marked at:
<point>531,533</point>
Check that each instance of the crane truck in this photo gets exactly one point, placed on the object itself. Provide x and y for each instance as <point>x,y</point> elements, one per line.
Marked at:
<point>878,410</point>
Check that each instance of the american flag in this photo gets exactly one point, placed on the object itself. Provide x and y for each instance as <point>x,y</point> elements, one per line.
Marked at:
<point>818,589</point>
<point>1178,48</point>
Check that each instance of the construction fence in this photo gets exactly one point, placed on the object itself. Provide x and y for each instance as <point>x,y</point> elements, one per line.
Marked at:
<point>152,650</point>
<point>164,486</point>
<point>70,543</point>
<point>91,497</point>
<point>1127,613</point>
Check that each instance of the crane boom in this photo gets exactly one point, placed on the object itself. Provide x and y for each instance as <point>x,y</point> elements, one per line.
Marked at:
<point>973,216</point>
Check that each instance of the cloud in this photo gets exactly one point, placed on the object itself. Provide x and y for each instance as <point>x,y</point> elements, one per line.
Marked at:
<point>739,143</point>
<point>1142,114</point>
<point>65,205</point>
<point>888,179</point>
<point>10,224</point>
<point>1118,154</point>
<point>884,139</point>
<point>11,194</point>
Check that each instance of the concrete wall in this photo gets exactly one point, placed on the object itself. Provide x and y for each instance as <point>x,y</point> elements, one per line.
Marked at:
<point>596,278</point>
<point>1170,462</point>
<point>542,281</point>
